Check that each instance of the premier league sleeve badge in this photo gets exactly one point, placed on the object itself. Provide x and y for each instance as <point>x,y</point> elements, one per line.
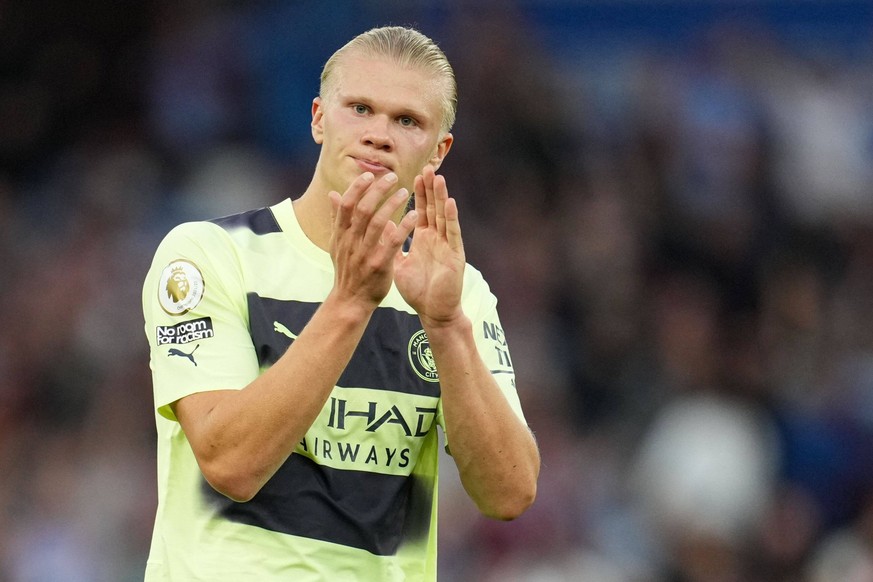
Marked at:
<point>181,287</point>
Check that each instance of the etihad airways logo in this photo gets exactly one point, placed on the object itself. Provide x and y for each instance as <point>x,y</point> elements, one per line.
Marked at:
<point>357,453</point>
<point>357,418</point>
<point>376,416</point>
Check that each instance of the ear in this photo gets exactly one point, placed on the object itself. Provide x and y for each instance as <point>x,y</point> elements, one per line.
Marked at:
<point>317,123</point>
<point>442,150</point>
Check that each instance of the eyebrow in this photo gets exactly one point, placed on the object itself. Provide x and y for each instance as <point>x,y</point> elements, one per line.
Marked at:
<point>399,112</point>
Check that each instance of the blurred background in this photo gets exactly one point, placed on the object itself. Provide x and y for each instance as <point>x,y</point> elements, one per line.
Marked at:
<point>673,201</point>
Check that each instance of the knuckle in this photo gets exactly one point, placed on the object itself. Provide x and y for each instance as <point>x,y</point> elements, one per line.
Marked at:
<point>347,204</point>
<point>375,265</point>
<point>359,215</point>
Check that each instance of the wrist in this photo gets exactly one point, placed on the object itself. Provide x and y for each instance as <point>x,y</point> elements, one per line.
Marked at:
<point>349,309</point>
<point>449,327</point>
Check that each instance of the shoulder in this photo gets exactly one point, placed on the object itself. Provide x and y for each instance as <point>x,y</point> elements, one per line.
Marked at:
<point>226,232</point>
<point>259,221</point>
<point>194,252</point>
<point>191,235</point>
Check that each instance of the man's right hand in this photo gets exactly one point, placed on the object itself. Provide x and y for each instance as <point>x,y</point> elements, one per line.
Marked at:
<point>241,437</point>
<point>365,240</point>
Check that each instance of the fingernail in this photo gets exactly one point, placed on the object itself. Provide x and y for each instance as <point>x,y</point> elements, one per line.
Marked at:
<point>402,193</point>
<point>368,176</point>
<point>391,177</point>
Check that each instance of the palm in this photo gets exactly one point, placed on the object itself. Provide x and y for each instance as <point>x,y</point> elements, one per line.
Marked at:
<point>430,276</point>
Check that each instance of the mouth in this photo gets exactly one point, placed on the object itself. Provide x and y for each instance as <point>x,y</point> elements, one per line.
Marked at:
<point>374,166</point>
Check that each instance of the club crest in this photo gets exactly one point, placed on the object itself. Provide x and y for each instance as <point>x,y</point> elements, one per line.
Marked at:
<point>421,357</point>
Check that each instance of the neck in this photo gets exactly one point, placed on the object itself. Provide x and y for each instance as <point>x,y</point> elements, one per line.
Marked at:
<point>313,213</point>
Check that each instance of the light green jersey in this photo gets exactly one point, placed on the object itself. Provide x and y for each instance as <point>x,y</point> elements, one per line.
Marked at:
<point>357,500</point>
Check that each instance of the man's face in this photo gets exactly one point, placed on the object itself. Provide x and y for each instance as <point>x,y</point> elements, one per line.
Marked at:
<point>378,117</point>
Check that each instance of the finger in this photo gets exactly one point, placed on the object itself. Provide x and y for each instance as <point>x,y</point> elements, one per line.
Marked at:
<point>384,215</point>
<point>420,201</point>
<point>430,203</point>
<point>394,235</point>
<point>402,233</point>
<point>441,194</point>
<point>407,225</point>
<point>349,200</point>
<point>453,226</point>
<point>376,194</point>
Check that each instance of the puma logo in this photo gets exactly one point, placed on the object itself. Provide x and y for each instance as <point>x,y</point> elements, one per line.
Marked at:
<point>279,328</point>
<point>178,352</point>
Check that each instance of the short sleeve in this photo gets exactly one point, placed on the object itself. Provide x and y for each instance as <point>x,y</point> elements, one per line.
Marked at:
<point>196,316</point>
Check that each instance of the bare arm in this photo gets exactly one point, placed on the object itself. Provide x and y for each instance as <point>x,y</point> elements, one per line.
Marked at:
<point>497,457</point>
<point>241,437</point>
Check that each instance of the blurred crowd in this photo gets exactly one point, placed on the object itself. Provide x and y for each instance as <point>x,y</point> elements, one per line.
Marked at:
<point>680,237</point>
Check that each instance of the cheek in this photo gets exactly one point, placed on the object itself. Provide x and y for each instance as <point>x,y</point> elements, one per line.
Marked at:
<point>423,146</point>
<point>337,129</point>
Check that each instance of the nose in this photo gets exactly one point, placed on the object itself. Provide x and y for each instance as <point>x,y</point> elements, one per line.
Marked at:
<point>377,133</point>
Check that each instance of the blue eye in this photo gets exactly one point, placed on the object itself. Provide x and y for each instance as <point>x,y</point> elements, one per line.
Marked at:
<point>408,121</point>
<point>360,109</point>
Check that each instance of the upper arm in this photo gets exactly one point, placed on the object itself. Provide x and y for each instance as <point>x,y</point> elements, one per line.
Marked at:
<point>198,334</point>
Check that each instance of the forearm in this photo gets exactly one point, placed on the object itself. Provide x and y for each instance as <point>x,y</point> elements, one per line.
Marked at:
<point>496,454</point>
<point>244,436</point>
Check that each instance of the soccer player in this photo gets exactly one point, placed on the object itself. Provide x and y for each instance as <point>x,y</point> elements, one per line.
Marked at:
<point>303,355</point>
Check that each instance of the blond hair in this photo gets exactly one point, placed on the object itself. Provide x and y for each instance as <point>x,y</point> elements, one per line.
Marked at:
<point>408,48</point>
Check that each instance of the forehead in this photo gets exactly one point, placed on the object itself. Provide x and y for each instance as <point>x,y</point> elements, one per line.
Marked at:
<point>382,80</point>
